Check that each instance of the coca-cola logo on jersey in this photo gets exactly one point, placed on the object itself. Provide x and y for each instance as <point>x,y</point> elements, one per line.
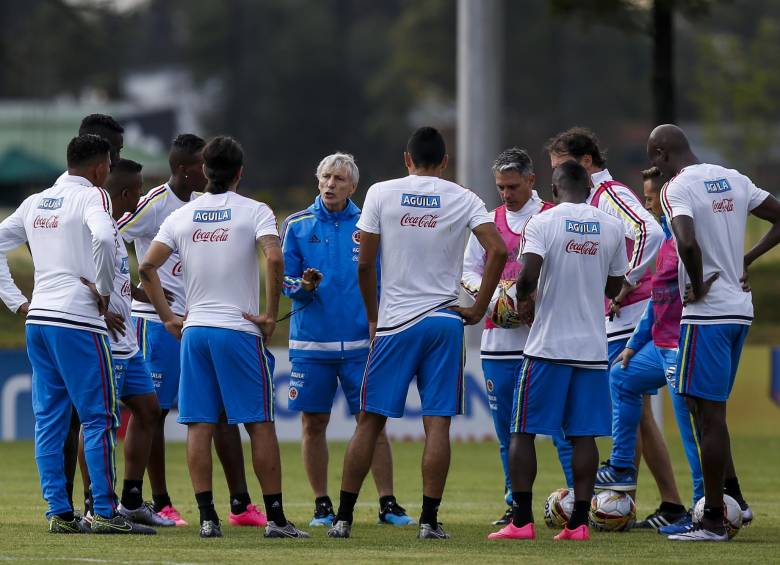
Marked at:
<point>126,288</point>
<point>177,270</point>
<point>582,247</point>
<point>46,222</point>
<point>424,221</point>
<point>722,206</point>
<point>215,236</point>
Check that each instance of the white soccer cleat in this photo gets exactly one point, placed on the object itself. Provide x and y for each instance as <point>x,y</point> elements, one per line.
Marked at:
<point>698,533</point>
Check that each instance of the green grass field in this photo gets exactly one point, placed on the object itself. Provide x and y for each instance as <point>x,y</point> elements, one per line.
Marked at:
<point>472,500</point>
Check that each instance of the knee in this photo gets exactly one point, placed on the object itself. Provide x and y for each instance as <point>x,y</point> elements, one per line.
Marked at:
<point>314,425</point>
<point>148,414</point>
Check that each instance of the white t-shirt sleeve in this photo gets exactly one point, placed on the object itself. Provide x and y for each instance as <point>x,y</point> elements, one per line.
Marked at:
<point>478,213</point>
<point>619,264</point>
<point>756,196</point>
<point>534,240</point>
<point>12,235</point>
<point>369,218</point>
<point>676,201</point>
<point>265,222</point>
<point>165,234</point>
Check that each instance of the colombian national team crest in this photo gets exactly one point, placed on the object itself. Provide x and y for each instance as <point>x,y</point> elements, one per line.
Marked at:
<point>356,237</point>
<point>489,385</point>
<point>293,393</point>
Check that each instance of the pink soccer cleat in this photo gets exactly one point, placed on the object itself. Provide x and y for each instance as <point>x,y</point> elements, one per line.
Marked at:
<point>250,517</point>
<point>169,512</point>
<point>580,533</point>
<point>510,531</point>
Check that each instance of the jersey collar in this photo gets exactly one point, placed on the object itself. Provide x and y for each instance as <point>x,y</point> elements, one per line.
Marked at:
<point>65,178</point>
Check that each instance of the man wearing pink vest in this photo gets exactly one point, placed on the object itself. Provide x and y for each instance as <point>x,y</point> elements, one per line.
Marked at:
<point>503,339</point>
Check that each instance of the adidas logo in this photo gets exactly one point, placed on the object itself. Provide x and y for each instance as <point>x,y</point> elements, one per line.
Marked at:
<point>275,505</point>
<point>314,239</point>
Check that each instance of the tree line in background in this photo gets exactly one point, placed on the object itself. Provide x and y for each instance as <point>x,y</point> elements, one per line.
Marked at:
<point>298,79</point>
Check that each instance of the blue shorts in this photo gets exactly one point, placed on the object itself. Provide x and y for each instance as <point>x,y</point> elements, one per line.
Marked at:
<point>226,371</point>
<point>550,397</point>
<point>132,377</point>
<point>432,349</point>
<point>708,358</point>
<point>161,352</point>
<point>313,384</point>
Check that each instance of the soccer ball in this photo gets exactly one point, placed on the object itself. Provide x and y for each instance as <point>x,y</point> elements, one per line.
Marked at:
<point>504,313</point>
<point>732,514</point>
<point>612,511</point>
<point>558,508</point>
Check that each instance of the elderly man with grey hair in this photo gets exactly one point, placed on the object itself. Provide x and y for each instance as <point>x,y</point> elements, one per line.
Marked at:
<point>504,335</point>
<point>329,334</point>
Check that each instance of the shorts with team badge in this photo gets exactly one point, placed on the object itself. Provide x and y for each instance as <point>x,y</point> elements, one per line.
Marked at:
<point>313,384</point>
<point>225,370</point>
<point>161,351</point>
<point>707,359</point>
<point>551,396</point>
<point>132,377</point>
<point>431,350</point>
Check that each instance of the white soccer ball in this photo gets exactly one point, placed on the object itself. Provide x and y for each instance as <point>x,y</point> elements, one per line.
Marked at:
<point>732,514</point>
<point>612,511</point>
<point>558,508</point>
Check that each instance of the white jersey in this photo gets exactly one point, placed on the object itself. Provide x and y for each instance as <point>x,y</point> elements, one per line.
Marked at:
<point>498,343</point>
<point>719,201</point>
<point>581,246</point>
<point>423,223</point>
<point>71,235</point>
<point>139,228</point>
<point>124,346</point>
<point>216,236</point>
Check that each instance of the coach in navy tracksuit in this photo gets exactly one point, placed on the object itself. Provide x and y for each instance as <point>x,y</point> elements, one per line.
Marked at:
<point>329,337</point>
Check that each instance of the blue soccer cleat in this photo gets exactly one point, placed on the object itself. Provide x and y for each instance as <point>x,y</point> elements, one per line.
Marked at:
<point>681,526</point>
<point>323,515</point>
<point>610,478</point>
<point>394,514</point>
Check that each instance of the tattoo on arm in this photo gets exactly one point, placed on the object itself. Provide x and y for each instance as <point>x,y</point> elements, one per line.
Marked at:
<point>269,242</point>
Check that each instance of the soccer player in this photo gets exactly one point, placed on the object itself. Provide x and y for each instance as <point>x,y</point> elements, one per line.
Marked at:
<point>161,350</point>
<point>572,255</point>
<point>70,236</point>
<point>109,129</point>
<point>329,332</point>
<point>420,224</point>
<point>647,363</point>
<point>502,343</point>
<point>708,207</point>
<point>133,382</point>
<point>225,364</point>
<point>643,239</point>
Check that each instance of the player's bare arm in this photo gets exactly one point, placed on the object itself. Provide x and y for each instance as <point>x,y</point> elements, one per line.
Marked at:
<point>526,285</point>
<point>690,254</point>
<point>369,247</point>
<point>495,258</point>
<point>156,256</point>
<point>614,286</point>
<point>274,268</point>
<point>768,210</point>
<point>139,294</point>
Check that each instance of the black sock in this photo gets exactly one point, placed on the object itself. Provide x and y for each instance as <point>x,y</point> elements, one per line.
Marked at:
<point>67,516</point>
<point>347,502</point>
<point>274,509</point>
<point>239,501</point>
<point>69,490</point>
<point>383,500</point>
<point>579,516</point>
<point>323,500</point>
<point>521,509</point>
<point>713,515</point>
<point>430,511</point>
<point>671,508</point>
<point>161,501</point>
<point>132,496</point>
<point>731,488</point>
<point>205,501</point>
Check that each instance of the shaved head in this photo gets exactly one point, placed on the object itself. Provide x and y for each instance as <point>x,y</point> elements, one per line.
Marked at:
<point>669,150</point>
